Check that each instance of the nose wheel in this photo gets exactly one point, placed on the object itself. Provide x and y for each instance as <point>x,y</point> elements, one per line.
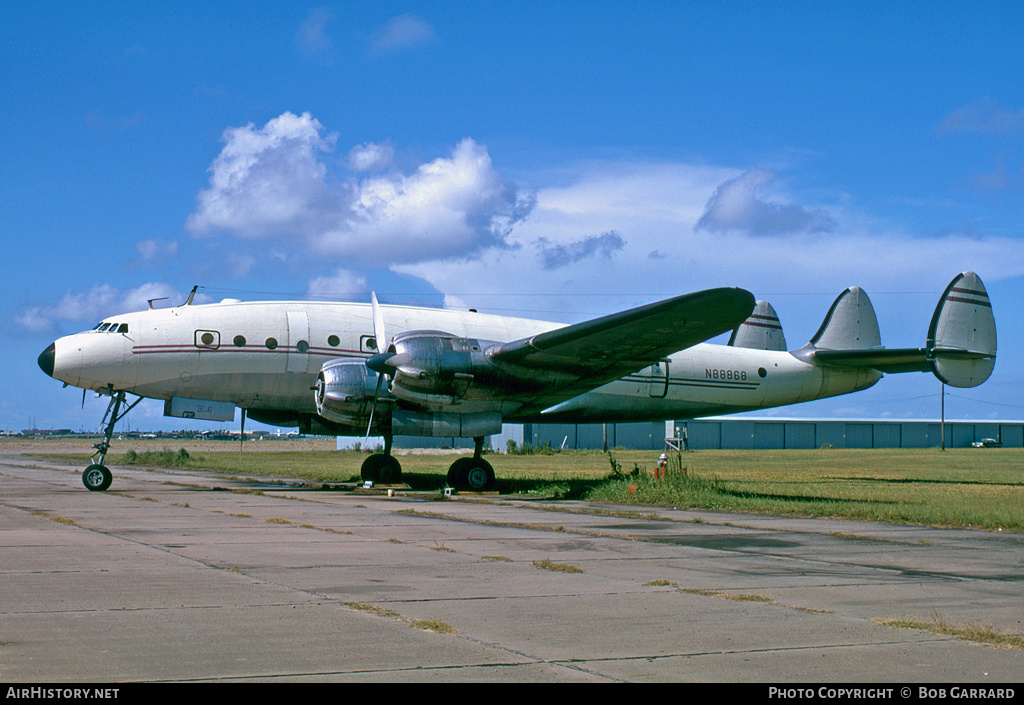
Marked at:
<point>97,477</point>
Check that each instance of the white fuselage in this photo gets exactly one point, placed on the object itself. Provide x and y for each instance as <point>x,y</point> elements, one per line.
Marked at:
<point>266,356</point>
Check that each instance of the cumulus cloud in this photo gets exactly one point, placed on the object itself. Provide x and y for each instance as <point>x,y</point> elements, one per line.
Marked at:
<point>370,157</point>
<point>266,180</point>
<point>450,206</point>
<point>274,182</point>
<point>735,205</point>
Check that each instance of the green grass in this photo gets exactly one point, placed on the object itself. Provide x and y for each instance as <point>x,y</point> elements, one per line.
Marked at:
<point>957,487</point>
<point>963,487</point>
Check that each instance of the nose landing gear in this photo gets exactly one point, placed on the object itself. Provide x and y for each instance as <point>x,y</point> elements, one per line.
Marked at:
<point>97,477</point>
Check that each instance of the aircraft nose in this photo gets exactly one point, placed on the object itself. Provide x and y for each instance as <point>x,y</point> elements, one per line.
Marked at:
<point>46,359</point>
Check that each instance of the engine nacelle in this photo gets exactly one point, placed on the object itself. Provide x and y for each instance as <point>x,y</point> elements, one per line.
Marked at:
<point>434,368</point>
<point>345,392</point>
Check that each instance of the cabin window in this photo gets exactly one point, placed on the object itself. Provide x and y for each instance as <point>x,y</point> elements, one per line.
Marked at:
<point>367,343</point>
<point>302,346</point>
<point>239,341</point>
<point>207,339</point>
<point>271,343</point>
<point>333,340</point>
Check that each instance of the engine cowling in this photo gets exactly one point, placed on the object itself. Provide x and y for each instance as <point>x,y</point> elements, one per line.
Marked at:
<point>433,368</point>
<point>345,392</point>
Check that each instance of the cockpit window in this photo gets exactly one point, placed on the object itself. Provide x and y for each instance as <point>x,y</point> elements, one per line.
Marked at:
<point>104,327</point>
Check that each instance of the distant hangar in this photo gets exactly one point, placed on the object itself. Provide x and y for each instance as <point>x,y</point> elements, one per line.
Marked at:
<point>742,433</point>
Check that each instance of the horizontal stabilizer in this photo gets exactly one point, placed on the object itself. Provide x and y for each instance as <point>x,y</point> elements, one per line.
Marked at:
<point>962,334</point>
<point>882,359</point>
<point>761,331</point>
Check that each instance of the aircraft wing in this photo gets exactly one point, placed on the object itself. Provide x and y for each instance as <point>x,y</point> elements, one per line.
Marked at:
<point>605,349</point>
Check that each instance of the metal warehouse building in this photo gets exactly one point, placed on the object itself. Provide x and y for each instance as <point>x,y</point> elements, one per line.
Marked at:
<point>751,433</point>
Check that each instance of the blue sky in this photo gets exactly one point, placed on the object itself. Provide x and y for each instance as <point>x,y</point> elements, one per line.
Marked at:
<point>558,160</point>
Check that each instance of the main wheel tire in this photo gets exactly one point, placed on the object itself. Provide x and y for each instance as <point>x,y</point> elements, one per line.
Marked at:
<point>96,478</point>
<point>473,474</point>
<point>381,469</point>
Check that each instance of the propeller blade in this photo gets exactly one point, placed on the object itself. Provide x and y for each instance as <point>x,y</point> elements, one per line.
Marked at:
<point>379,334</point>
<point>378,361</point>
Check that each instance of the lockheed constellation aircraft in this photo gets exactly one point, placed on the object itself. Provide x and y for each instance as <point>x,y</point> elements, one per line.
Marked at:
<point>330,369</point>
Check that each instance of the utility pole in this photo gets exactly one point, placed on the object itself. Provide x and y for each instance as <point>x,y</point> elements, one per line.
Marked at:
<point>942,406</point>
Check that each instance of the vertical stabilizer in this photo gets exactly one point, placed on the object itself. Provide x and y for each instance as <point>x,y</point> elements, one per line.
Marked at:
<point>962,335</point>
<point>761,331</point>
<point>850,324</point>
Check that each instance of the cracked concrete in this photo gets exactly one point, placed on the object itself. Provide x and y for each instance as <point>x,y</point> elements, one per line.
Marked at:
<point>164,579</point>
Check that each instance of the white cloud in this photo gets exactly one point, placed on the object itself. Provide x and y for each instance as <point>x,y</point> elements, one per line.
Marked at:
<point>274,182</point>
<point>735,206</point>
<point>265,181</point>
<point>370,157</point>
<point>448,207</point>
<point>343,284</point>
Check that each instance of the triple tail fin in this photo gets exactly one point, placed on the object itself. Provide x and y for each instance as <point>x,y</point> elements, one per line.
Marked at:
<point>761,331</point>
<point>962,334</point>
<point>850,324</point>
<point>961,345</point>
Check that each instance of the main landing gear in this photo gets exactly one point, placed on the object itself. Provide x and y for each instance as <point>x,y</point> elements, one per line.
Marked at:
<point>97,477</point>
<point>474,474</point>
<point>383,468</point>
